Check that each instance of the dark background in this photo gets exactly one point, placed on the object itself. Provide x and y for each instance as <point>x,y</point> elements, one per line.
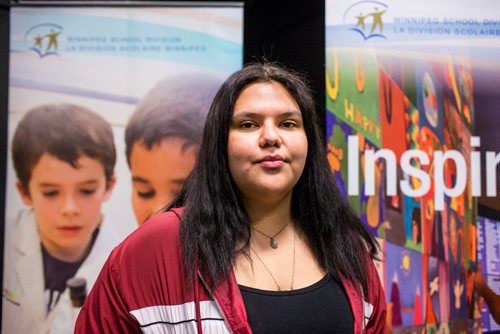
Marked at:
<point>4,72</point>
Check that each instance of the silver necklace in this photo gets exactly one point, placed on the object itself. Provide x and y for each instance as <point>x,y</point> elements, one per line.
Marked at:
<point>272,239</point>
<point>269,271</point>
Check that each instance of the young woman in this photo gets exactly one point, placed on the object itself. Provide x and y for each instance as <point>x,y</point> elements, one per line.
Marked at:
<point>265,243</point>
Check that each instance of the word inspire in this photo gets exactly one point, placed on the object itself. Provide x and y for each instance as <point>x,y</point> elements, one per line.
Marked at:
<point>410,170</point>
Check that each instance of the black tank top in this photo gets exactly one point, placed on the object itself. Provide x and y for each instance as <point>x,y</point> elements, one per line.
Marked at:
<point>320,308</point>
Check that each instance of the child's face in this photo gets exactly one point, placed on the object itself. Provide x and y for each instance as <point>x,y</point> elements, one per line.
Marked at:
<point>67,203</point>
<point>158,174</point>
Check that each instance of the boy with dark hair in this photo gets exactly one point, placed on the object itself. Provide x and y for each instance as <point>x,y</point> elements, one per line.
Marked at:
<point>64,158</point>
<point>162,139</point>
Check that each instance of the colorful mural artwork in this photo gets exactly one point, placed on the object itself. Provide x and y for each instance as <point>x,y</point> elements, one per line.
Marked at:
<point>414,232</point>
<point>488,258</point>
<point>404,95</point>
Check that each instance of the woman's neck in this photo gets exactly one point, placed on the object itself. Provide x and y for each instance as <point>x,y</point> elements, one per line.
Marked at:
<point>269,216</point>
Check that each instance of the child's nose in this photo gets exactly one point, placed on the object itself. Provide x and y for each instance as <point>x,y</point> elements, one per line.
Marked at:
<point>70,206</point>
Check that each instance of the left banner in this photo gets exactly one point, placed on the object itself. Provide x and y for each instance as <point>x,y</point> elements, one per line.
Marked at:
<point>106,110</point>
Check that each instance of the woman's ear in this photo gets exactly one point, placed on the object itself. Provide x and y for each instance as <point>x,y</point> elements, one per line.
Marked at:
<point>24,193</point>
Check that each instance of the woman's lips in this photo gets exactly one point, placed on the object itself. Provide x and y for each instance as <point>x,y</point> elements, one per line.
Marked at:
<point>272,164</point>
<point>272,161</point>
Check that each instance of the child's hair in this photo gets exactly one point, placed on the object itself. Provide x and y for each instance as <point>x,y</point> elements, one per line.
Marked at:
<point>65,131</point>
<point>175,108</point>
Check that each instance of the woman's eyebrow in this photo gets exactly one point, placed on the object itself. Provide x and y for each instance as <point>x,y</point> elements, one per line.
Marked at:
<point>250,114</point>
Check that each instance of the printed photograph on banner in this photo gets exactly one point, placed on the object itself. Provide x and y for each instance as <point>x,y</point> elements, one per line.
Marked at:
<point>429,99</point>
<point>430,272</point>
<point>412,121</point>
<point>489,324</point>
<point>429,143</point>
<point>457,76</point>
<point>444,67</point>
<point>409,330</point>
<point>393,108</point>
<point>400,70</point>
<point>162,138</point>
<point>457,267</point>
<point>413,223</point>
<point>444,293</point>
<point>488,258</point>
<point>352,90</point>
<point>488,245</point>
<point>474,326</point>
<point>337,134</point>
<point>372,206</point>
<point>440,230</point>
<point>403,286</point>
<point>462,203</point>
<point>471,244</point>
<point>106,110</point>
<point>393,223</point>
<point>369,207</point>
<point>379,262</point>
<point>472,299</point>
<point>458,326</point>
<point>466,200</point>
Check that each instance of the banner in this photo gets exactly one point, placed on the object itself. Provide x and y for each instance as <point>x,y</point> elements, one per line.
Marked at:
<point>488,256</point>
<point>406,83</point>
<point>150,74</point>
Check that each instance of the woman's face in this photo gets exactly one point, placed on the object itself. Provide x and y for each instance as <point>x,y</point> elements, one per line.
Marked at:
<point>267,143</point>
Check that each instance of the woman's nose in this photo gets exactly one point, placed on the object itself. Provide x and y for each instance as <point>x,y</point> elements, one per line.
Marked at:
<point>270,136</point>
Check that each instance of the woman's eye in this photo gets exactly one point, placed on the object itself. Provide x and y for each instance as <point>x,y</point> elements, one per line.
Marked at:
<point>146,194</point>
<point>49,194</point>
<point>247,125</point>
<point>289,124</point>
<point>87,192</point>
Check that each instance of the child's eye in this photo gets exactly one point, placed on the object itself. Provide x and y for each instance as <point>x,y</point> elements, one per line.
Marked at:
<point>146,194</point>
<point>50,194</point>
<point>87,192</point>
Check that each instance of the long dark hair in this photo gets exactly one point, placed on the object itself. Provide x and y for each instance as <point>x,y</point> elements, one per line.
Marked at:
<point>215,223</point>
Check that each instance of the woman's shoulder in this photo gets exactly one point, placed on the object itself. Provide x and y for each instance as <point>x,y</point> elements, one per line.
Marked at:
<point>167,221</point>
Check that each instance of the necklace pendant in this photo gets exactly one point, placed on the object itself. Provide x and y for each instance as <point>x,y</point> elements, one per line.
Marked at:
<point>273,243</point>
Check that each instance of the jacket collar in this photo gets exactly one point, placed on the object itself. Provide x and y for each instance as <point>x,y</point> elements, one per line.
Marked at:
<point>355,297</point>
<point>228,297</point>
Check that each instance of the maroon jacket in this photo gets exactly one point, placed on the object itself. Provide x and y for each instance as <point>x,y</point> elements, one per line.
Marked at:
<point>141,289</point>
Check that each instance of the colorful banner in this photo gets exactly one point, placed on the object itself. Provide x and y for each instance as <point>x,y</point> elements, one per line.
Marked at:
<point>403,81</point>
<point>160,65</point>
<point>488,256</point>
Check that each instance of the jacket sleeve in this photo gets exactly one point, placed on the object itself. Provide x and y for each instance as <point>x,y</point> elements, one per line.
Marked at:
<point>377,322</point>
<point>105,310</point>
